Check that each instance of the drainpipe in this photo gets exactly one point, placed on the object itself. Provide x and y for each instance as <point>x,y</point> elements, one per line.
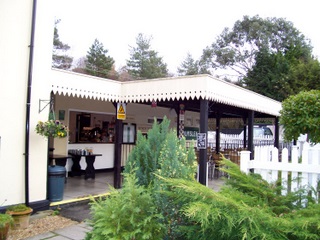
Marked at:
<point>26,154</point>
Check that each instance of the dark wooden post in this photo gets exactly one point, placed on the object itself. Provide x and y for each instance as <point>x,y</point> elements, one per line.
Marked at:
<point>117,154</point>
<point>203,152</point>
<point>218,118</point>
<point>244,132</point>
<point>276,132</point>
<point>117,151</point>
<point>178,120</point>
<point>250,133</point>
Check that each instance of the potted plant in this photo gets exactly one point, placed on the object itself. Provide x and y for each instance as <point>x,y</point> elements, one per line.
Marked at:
<point>52,128</point>
<point>5,222</point>
<point>20,214</point>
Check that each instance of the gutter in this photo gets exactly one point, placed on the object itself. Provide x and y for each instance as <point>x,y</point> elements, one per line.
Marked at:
<point>27,132</point>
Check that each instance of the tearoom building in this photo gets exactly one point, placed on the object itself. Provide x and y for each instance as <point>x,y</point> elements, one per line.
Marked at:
<point>103,115</point>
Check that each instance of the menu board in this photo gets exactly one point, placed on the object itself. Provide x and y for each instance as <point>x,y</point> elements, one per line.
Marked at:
<point>201,140</point>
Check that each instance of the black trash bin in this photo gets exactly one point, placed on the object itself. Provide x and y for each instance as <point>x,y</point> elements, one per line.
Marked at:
<point>56,180</point>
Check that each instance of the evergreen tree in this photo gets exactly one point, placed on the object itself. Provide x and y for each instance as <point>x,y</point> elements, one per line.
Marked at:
<point>281,74</point>
<point>145,63</point>
<point>269,76</point>
<point>98,63</point>
<point>59,58</point>
<point>191,67</point>
<point>188,67</point>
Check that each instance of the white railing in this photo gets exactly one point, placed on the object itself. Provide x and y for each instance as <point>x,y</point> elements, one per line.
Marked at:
<point>234,141</point>
<point>304,170</point>
<point>125,151</point>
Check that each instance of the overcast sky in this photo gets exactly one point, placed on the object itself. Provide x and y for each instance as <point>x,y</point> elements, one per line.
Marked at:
<point>176,26</point>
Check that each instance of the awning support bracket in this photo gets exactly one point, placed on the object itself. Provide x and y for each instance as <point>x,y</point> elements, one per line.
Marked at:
<point>43,104</point>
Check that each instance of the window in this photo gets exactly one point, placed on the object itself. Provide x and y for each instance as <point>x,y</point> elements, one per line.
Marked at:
<point>129,133</point>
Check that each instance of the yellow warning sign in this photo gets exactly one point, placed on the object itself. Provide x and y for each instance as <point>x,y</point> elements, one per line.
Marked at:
<point>121,111</point>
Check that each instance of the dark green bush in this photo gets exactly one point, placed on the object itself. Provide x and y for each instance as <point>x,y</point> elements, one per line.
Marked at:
<point>246,207</point>
<point>126,214</point>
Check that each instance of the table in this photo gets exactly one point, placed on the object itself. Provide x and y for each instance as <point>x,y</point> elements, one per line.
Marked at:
<point>76,168</point>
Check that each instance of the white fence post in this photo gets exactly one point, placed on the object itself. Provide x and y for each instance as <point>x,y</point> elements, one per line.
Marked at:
<point>244,161</point>
<point>285,174</point>
<point>275,160</point>
<point>314,160</point>
<point>294,174</point>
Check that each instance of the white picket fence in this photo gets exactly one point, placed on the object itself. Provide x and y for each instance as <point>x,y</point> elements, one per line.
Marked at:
<point>235,141</point>
<point>304,169</point>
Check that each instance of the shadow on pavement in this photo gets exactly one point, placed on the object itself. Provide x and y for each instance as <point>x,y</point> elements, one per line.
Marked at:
<point>79,211</point>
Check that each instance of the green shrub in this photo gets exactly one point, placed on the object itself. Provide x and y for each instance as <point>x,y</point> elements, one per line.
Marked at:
<point>126,214</point>
<point>247,207</point>
<point>162,153</point>
<point>5,219</point>
<point>18,208</point>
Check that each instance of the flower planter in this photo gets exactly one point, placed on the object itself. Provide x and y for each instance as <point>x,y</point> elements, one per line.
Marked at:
<point>4,230</point>
<point>5,223</point>
<point>21,218</point>
<point>52,128</point>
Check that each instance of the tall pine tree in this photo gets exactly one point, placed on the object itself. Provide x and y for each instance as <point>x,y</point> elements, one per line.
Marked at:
<point>145,63</point>
<point>192,67</point>
<point>98,63</point>
<point>59,58</point>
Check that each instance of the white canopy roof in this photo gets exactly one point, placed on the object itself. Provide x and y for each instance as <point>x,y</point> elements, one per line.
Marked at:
<point>163,89</point>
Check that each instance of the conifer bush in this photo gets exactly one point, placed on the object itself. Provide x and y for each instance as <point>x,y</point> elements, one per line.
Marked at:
<point>246,207</point>
<point>162,153</point>
<point>126,214</point>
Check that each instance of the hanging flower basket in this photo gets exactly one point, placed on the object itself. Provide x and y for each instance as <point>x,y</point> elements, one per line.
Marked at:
<point>52,128</point>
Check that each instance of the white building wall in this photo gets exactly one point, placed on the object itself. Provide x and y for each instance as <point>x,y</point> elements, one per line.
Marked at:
<point>15,28</point>
<point>15,24</point>
<point>40,91</point>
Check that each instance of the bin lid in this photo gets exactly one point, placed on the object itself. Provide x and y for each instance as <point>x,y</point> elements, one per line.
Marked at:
<point>56,169</point>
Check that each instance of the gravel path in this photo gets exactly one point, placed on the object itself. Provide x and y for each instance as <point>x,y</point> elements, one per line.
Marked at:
<point>41,225</point>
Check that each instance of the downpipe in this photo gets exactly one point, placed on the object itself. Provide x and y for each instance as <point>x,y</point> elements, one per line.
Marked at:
<point>28,102</point>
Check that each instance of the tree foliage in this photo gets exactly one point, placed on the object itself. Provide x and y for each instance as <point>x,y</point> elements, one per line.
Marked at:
<point>235,49</point>
<point>279,75</point>
<point>59,58</point>
<point>145,63</point>
<point>97,62</point>
<point>300,114</point>
<point>306,74</point>
<point>191,67</point>
<point>269,76</point>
